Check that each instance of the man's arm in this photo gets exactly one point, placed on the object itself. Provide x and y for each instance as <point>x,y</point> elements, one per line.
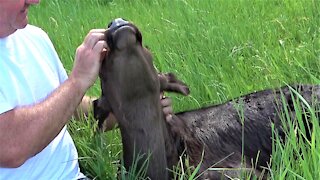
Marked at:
<point>25,131</point>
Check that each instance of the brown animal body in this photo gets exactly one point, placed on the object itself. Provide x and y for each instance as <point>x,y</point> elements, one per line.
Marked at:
<point>238,129</point>
<point>218,136</point>
<point>131,90</point>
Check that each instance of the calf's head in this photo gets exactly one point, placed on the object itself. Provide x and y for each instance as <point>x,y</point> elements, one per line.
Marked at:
<point>127,73</point>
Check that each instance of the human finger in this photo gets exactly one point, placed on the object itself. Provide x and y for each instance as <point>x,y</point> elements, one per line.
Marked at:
<point>97,31</point>
<point>161,94</point>
<point>91,41</point>
<point>104,53</point>
<point>166,102</point>
<point>169,117</point>
<point>167,110</point>
<point>100,46</point>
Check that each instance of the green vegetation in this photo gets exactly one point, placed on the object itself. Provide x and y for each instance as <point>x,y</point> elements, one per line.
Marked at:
<point>221,48</point>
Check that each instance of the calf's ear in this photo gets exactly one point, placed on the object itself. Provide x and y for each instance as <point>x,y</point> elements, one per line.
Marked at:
<point>138,36</point>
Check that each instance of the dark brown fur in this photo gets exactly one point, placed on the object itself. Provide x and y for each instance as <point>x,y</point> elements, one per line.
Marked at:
<point>218,136</point>
<point>218,130</point>
<point>131,90</point>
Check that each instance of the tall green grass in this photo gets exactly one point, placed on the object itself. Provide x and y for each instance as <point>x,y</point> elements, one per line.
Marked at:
<point>221,48</point>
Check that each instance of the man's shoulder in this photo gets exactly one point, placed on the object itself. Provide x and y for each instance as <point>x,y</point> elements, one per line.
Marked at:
<point>35,36</point>
<point>34,31</point>
<point>33,28</point>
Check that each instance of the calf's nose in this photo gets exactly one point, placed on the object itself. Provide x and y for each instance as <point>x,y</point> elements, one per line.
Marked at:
<point>117,23</point>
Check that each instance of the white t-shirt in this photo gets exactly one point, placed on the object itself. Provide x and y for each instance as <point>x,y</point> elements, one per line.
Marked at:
<point>30,70</point>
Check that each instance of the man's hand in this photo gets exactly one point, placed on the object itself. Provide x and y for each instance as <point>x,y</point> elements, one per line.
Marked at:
<point>166,107</point>
<point>89,56</point>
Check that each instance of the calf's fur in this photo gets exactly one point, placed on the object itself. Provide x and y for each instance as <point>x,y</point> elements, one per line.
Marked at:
<point>226,130</point>
<point>216,136</point>
<point>131,90</point>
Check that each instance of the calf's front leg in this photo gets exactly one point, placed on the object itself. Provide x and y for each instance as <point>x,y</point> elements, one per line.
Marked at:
<point>169,82</point>
<point>101,110</point>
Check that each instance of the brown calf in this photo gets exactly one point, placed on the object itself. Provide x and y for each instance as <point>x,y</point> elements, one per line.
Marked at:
<point>219,136</point>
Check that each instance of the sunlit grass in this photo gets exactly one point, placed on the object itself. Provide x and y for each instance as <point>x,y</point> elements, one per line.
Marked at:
<point>221,48</point>
<point>299,157</point>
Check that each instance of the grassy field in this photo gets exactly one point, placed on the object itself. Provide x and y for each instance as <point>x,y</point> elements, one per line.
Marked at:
<point>221,48</point>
